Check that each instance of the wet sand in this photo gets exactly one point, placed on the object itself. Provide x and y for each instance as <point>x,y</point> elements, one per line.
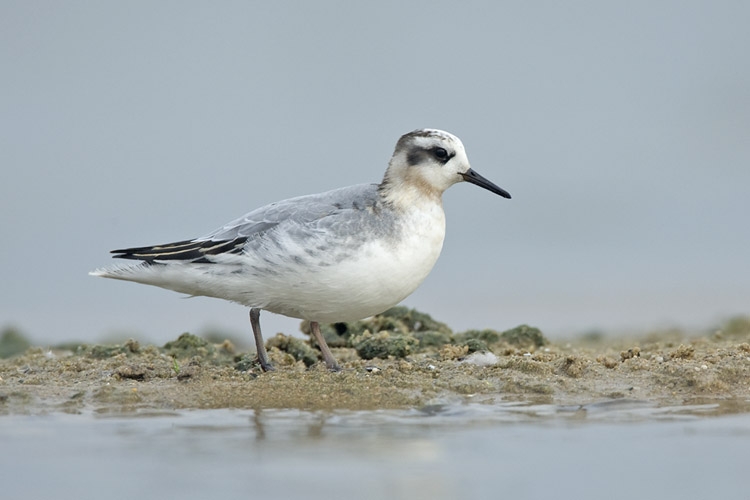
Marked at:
<point>396,361</point>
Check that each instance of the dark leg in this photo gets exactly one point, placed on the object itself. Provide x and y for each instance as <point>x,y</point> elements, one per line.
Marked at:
<point>265,364</point>
<point>327,356</point>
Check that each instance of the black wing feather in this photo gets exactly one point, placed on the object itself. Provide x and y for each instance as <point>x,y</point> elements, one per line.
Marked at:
<point>188,250</point>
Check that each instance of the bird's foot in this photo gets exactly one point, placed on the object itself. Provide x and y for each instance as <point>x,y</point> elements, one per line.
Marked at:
<point>266,366</point>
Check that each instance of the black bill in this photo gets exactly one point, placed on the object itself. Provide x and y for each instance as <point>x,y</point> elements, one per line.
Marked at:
<point>475,178</point>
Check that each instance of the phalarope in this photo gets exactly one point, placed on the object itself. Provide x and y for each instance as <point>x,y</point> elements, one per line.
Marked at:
<point>341,255</point>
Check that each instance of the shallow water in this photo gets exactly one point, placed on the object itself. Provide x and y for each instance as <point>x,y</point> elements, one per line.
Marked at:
<point>615,449</point>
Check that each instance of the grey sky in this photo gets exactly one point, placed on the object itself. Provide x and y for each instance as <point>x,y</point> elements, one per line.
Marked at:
<point>622,130</point>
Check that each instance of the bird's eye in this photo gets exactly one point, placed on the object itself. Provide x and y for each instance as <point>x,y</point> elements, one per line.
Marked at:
<point>440,153</point>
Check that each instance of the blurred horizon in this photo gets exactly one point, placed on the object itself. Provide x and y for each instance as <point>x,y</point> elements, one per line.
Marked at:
<point>244,340</point>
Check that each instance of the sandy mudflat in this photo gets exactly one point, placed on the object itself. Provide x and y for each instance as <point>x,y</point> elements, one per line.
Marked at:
<point>413,361</point>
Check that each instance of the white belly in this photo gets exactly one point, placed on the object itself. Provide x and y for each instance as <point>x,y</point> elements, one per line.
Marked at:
<point>380,275</point>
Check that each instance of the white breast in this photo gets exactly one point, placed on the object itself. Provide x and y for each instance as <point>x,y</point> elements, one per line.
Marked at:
<point>381,274</point>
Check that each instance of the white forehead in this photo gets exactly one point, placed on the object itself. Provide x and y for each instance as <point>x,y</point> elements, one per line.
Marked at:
<point>430,137</point>
<point>433,132</point>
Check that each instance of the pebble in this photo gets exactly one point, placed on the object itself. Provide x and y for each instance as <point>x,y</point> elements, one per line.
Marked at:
<point>481,359</point>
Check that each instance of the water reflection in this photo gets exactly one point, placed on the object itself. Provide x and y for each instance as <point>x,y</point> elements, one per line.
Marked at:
<point>298,424</point>
<point>442,451</point>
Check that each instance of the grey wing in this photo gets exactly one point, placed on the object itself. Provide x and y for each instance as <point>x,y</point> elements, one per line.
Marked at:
<point>300,211</point>
<point>305,216</point>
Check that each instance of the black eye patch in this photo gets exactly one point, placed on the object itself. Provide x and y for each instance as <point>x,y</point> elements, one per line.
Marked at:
<point>419,155</point>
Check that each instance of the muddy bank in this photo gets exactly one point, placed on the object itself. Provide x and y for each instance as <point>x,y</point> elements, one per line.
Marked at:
<point>397,360</point>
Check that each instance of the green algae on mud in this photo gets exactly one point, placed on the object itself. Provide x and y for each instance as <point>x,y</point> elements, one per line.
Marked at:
<point>403,359</point>
<point>12,342</point>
